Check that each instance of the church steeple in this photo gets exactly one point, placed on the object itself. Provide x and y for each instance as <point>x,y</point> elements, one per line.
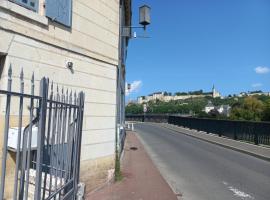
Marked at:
<point>215,93</point>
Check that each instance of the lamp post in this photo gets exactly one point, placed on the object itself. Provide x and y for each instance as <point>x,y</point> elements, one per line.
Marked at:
<point>124,35</point>
<point>144,21</point>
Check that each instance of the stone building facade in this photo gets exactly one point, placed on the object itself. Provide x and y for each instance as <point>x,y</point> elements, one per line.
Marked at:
<point>42,36</point>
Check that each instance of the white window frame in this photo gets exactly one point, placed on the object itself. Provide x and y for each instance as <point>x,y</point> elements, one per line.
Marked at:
<point>27,5</point>
<point>13,7</point>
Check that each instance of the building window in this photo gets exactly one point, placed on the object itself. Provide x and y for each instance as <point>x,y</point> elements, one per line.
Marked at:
<point>30,4</point>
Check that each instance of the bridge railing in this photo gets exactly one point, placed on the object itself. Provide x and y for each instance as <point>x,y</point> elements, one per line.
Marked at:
<point>254,132</point>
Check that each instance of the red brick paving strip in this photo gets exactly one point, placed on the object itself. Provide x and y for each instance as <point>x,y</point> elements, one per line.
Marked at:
<point>142,180</point>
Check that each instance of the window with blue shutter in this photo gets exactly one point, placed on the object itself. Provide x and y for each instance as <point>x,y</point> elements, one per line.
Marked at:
<point>31,4</point>
<point>59,11</point>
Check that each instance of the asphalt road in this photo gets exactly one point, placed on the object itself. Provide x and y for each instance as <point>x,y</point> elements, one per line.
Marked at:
<point>203,171</point>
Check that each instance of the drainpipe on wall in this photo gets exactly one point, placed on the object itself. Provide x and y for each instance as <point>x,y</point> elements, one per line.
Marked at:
<point>118,96</point>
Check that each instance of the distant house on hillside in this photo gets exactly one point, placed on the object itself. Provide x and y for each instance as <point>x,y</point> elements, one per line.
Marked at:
<point>242,94</point>
<point>223,109</point>
<point>210,106</point>
<point>158,96</point>
<point>141,100</point>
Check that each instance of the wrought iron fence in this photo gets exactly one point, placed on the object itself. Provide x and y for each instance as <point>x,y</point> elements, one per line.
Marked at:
<point>47,149</point>
<point>255,132</point>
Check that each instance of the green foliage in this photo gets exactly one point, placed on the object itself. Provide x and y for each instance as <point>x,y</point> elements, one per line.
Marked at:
<point>255,91</point>
<point>266,112</point>
<point>195,105</point>
<point>134,108</point>
<point>197,92</point>
<point>254,108</point>
<point>167,94</point>
<point>250,109</point>
<point>181,93</point>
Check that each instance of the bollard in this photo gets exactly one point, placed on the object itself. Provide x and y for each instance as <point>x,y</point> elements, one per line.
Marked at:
<point>132,127</point>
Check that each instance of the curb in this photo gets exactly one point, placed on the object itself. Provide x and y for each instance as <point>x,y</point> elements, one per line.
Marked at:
<point>222,145</point>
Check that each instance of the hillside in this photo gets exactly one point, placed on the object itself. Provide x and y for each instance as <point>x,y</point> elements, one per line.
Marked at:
<point>255,108</point>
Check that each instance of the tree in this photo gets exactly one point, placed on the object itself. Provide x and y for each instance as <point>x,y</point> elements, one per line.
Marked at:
<point>134,108</point>
<point>250,109</point>
<point>266,111</point>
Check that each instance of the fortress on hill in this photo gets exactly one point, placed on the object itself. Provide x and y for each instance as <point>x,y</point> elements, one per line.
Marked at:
<point>166,97</point>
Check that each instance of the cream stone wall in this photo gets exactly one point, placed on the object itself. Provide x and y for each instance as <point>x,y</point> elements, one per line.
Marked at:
<point>38,45</point>
<point>94,31</point>
<point>96,79</point>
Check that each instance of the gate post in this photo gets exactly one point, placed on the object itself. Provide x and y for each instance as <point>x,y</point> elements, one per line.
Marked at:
<point>5,142</point>
<point>78,145</point>
<point>41,136</point>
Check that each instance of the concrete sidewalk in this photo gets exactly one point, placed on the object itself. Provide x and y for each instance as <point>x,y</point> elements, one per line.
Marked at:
<point>142,180</point>
<point>250,149</point>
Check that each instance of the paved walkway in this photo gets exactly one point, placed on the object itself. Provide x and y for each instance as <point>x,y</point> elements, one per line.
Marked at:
<point>251,149</point>
<point>142,180</point>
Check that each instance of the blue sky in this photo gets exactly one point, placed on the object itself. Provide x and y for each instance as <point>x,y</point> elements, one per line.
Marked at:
<point>197,43</point>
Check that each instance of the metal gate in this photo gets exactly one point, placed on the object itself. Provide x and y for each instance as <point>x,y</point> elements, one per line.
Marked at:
<point>47,148</point>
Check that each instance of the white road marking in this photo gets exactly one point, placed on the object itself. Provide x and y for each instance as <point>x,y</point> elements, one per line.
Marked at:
<point>239,193</point>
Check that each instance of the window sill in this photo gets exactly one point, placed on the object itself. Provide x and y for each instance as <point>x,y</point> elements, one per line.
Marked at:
<point>12,7</point>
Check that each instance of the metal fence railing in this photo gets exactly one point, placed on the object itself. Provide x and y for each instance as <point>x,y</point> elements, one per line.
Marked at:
<point>255,132</point>
<point>46,141</point>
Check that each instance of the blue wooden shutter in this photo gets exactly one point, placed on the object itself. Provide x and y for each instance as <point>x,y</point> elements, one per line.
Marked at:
<point>59,11</point>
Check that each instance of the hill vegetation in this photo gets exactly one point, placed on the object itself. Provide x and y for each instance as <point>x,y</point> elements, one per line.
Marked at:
<point>252,108</point>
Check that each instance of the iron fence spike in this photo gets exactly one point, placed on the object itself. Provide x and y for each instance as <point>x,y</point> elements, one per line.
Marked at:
<point>51,89</point>
<point>62,95</point>
<point>33,77</point>
<point>10,71</point>
<point>33,84</point>
<point>21,74</point>
<point>70,97</point>
<point>66,95</point>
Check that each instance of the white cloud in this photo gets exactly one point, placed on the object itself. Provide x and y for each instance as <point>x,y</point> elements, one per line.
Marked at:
<point>262,70</point>
<point>135,86</point>
<point>255,85</point>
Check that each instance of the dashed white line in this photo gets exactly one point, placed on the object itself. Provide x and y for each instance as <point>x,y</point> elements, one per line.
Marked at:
<point>238,193</point>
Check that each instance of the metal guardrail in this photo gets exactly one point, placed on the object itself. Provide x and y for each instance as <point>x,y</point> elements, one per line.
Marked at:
<point>148,118</point>
<point>254,132</point>
<point>51,169</point>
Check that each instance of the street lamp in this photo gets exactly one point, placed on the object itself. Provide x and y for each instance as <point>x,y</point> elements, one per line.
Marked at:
<point>145,18</point>
<point>144,21</point>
